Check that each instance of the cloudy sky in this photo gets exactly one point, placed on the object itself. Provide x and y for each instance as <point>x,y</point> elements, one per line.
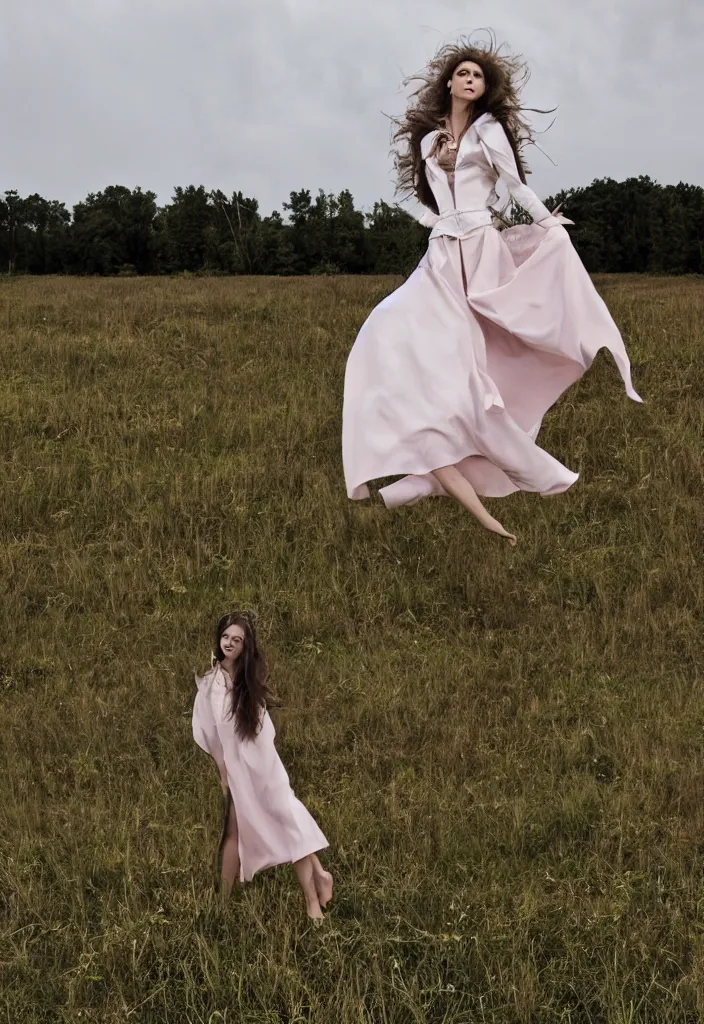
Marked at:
<point>267,96</point>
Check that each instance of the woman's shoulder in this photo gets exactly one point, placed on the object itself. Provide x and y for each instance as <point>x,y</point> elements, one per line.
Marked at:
<point>203,681</point>
<point>485,122</point>
<point>492,135</point>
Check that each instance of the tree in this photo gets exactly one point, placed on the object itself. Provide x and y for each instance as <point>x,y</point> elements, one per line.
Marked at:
<point>349,248</point>
<point>637,225</point>
<point>236,234</point>
<point>113,229</point>
<point>183,231</point>
<point>395,240</point>
<point>44,236</point>
<point>11,215</point>
<point>305,244</point>
<point>277,254</point>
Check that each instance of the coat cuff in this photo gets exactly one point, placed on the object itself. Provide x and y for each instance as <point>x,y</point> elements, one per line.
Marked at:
<point>553,221</point>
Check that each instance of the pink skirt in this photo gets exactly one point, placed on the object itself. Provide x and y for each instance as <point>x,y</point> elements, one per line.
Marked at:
<point>441,377</point>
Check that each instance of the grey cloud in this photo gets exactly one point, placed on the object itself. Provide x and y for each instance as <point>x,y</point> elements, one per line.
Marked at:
<point>273,95</point>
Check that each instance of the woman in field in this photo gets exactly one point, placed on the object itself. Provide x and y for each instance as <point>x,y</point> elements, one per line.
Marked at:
<point>264,824</point>
<point>451,374</point>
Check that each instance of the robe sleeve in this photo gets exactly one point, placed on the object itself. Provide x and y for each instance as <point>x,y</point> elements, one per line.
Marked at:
<point>498,151</point>
<point>428,218</point>
<point>205,730</point>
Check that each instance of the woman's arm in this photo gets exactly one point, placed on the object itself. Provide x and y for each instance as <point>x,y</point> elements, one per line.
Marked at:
<point>498,149</point>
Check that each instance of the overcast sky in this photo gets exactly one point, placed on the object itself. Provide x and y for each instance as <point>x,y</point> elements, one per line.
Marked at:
<point>268,96</point>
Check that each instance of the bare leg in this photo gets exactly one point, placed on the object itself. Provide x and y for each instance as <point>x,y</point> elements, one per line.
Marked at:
<point>323,881</point>
<point>306,879</point>
<point>229,852</point>
<point>460,488</point>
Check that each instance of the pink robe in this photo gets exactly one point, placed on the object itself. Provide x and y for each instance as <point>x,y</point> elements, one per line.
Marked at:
<point>439,376</point>
<point>273,827</point>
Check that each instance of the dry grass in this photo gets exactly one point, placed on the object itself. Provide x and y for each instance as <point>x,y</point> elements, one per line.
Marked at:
<point>504,747</point>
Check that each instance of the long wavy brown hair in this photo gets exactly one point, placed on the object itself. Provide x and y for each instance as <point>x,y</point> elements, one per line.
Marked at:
<point>250,687</point>
<point>505,75</point>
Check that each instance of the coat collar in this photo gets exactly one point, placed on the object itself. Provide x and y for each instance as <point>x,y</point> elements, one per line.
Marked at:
<point>428,141</point>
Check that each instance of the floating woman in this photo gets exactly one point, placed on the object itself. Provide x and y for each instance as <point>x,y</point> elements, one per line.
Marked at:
<point>265,824</point>
<point>452,373</point>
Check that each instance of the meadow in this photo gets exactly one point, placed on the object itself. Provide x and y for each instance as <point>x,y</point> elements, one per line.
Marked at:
<point>503,745</point>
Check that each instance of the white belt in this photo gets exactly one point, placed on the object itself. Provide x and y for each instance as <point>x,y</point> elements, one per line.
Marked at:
<point>456,223</point>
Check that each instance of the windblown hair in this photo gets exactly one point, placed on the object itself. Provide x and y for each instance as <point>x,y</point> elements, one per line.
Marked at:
<point>250,689</point>
<point>504,75</point>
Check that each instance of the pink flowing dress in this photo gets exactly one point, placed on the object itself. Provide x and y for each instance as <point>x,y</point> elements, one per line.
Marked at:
<point>273,827</point>
<point>444,373</point>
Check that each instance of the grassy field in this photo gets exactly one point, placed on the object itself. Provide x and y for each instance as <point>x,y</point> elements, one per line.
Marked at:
<point>503,746</point>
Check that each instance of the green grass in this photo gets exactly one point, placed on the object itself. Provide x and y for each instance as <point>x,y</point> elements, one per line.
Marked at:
<point>503,746</point>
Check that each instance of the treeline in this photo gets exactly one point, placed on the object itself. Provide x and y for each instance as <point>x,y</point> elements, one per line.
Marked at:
<point>123,231</point>
<point>636,225</point>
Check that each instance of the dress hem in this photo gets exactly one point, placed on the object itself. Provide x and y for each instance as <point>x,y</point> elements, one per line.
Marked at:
<point>429,488</point>
<point>305,851</point>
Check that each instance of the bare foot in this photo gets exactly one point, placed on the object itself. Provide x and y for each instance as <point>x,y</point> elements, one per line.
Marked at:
<point>323,887</point>
<point>454,483</point>
<point>306,869</point>
<point>313,910</point>
<point>497,528</point>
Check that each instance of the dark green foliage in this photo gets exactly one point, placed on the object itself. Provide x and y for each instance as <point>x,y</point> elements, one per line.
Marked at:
<point>184,227</point>
<point>327,235</point>
<point>122,232</point>
<point>637,226</point>
<point>112,229</point>
<point>34,234</point>
<point>395,241</point>
<point>633,226</point>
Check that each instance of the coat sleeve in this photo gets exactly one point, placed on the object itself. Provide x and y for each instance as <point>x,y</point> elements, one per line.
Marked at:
<point>498,150</point>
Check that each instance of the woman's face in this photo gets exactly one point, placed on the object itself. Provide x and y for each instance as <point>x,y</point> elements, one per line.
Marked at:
<point>467,82</point>
<point>232,642</point>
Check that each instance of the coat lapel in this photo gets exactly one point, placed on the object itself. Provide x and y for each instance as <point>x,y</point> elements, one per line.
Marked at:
<point>465,140</point>
<point>427,142</point>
